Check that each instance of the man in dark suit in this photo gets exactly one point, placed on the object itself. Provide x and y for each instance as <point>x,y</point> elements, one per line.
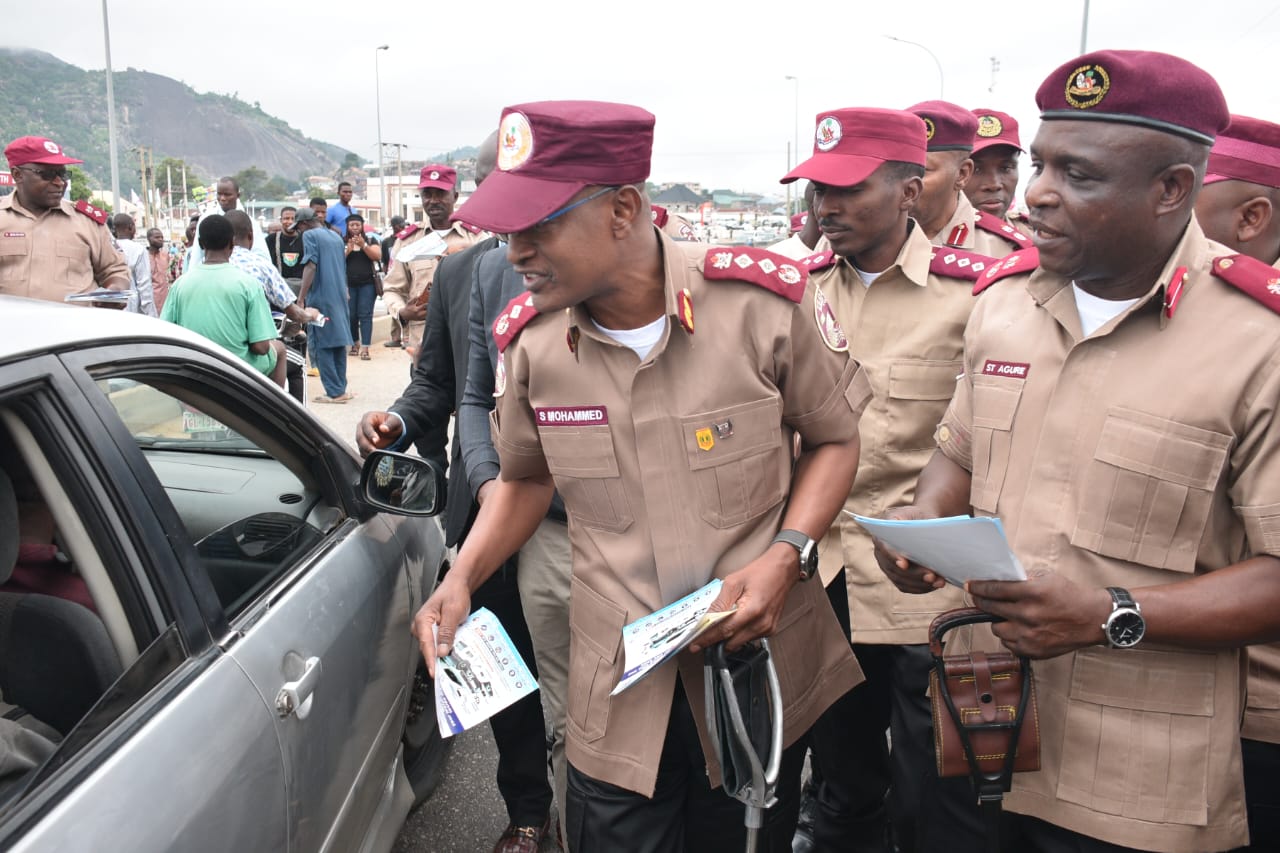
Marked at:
<point>422,415</point>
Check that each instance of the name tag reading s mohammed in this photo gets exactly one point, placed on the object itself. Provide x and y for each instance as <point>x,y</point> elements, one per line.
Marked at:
<point>1012,369</point>
<point>569,416</point>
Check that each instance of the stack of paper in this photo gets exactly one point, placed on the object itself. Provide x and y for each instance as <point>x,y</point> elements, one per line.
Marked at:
<point>651,640</point>
<point>481,675</point>
<point>959,548</point>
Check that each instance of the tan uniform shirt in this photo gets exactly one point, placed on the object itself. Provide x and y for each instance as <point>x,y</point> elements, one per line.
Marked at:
<point>1262,712</point>
<point>56,254</point>
<point>1142,455</point>
<point>674,225</point>
<point>907,332</point>
<point>677,471</point>
<point>410,281</point>
<point>975,231</point>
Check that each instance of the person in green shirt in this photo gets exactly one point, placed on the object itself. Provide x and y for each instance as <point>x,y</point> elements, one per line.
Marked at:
<point>226,305</point>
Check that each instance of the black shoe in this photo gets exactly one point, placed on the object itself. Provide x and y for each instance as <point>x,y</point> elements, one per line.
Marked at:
<point>394,344</point>
<point>803,841</point>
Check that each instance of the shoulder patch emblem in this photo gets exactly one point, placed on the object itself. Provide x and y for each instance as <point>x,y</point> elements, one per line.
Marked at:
<point>500,376</point>
<point>512,319</point>
<point>957,263</point>
<point>1251,276</point>
<point>761,267</point>
<point>828,326</point>
<point>1023,261</point>
<point>407,231</point>
<point>97,215</point>
<point>1000,228</point>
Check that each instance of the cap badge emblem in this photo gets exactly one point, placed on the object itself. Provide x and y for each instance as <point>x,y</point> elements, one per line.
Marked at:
<point>435,176</point>
<point>828,134</point>
<point>1087,86</point>
<point>989,126</point>
<point>929,127</point>
<point>515,142</point>
<point>51,147</point>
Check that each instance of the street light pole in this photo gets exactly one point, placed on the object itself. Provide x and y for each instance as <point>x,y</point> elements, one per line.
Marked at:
<point>941,82</point>
<point>795,132</point>
<point>377,101</point>
<point>1084,29</point>
<point>111,115</point>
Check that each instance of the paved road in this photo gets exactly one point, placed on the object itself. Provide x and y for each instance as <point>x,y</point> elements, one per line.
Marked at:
<point>465,815</point>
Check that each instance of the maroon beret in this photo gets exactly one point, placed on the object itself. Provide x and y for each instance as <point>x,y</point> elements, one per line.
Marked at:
<point>947,126</point>
<point>995,128</point>
<point>1248,150</point>
<point>797,221</point>
<point>37,149</point>
<point>440,177</point>
<point>551,150</point>
<point>850,144</point>
<point>1136,87</point>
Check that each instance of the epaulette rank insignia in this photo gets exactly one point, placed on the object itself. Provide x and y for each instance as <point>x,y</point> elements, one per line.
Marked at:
<point>407,231</point>
<point>1252,276</point>
<point>1000,228</point>
<point>1022,261</point>
<point>97,215</point>
<point>818,261</point>
<point>467,226</point>
<point>761,267</point>
<point>512,319</point>
<point>957,263</point>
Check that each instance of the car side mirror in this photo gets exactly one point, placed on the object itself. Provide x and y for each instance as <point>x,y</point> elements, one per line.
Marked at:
<point>402,484</point>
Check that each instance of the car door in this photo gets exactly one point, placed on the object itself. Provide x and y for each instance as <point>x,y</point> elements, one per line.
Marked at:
<point>323,633</point>
<point>182,739</point>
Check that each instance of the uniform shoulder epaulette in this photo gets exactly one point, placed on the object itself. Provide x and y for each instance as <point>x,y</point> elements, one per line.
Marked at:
<point>1000,228</point>
<point>407,231</point>
<point>659,214</point>
<point>1252,276</point>
<point>469,227</point>
<point>959,263</point>
<point>761,267</point>
<point>1022,261</point>
<point>97,215</point>
<point>819,260</point>
<point>512,319</point>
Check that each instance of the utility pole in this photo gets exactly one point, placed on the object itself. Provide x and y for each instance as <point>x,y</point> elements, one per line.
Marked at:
<point>142,174</point>
<point>1084,30</point>
<point>111,114</point>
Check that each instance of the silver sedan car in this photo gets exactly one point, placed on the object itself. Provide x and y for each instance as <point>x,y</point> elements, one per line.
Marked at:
<point>205,605</point>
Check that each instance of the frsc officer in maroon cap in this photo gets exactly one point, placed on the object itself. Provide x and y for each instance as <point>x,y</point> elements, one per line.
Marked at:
<point>1240,203</point>
<point>51,248</point>
<point>943,210</point>
<point>1117,411</point>
<point>407,286</point>
<point>992,186</point>
<point>658,386</point>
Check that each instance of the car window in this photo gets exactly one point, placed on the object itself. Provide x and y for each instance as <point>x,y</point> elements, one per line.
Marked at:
<point>245,494</point>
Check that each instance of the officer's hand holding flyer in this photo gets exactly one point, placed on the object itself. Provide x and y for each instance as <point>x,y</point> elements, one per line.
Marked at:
<point>958,549</point>
<point>481,675</point>
<point>660,636</point>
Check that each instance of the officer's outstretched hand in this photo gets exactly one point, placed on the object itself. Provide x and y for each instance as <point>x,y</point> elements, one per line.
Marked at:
<point>444,610</point>
<point>756,593</point>
<point>377,431</point>
<point>1045,616</point>
<point>906,576</point>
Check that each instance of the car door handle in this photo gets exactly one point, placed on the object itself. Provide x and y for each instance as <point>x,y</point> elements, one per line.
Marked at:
<point>295,696</point>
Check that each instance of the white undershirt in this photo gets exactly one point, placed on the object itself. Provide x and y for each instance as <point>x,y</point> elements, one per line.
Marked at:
<point>641,340</point>
<point>867,277</point>
<point>1095,312</point>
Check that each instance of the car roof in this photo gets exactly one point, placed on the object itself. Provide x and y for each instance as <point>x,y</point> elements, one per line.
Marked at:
<point>37,325</point>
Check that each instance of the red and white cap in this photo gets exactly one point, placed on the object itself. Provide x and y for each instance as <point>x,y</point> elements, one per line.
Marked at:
<point>37,149</point>
<point>850,144</point>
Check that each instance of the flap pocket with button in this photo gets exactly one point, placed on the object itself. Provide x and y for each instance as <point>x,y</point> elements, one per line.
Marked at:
<point>740,462</point>
<point>595,625</point>
<point>995,403</point>
<point>585,468</point>
<point>1148,491</point>
<point>919,392</point>
<point>73,261</point>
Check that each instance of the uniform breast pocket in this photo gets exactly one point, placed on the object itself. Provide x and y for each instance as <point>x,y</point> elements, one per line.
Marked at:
<point>995,402</point>
<point>595,625</point>
<point>582,461</point>
<point>1137,734</point>
<point>918,395</point>
<point>14,252</point>
<point>1148,490</point>
<point>738,460</point>
<point>73,261</point>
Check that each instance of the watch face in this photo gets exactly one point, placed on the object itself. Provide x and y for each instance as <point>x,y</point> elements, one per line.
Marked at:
<point>1125,628</point>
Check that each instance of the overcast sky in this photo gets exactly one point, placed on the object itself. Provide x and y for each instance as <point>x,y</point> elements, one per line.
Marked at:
<point>714,73</point>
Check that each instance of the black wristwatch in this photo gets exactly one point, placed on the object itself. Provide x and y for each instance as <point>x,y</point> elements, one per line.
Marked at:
<point>1125,626</point>
<point>807,547</point>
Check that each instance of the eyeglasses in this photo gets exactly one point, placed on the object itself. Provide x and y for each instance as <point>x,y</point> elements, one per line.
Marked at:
<point>568,207</point>
<point>48,173</point>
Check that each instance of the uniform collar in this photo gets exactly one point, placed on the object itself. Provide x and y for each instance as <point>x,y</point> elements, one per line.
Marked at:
<point>960,226</point>
<point>1170,287</point>
<point>912,261</point>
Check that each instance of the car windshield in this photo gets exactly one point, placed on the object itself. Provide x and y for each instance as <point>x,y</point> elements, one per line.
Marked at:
<point>157,420</point>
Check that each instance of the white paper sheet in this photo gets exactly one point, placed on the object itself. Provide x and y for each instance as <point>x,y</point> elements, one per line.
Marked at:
<point>651,640</point>
<point>959,548</point>
<point>482,675</point>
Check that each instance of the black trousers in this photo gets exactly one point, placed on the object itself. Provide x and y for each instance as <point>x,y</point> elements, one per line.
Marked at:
<point>685,812</point>
<point>519,731</point>
<point>1262,794</point>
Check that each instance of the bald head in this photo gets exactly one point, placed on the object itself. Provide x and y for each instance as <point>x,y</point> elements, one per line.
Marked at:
<point>241,228</point>
<point>487,159</point>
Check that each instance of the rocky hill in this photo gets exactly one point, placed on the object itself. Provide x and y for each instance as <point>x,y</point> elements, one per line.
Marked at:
<point>216,134</point>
